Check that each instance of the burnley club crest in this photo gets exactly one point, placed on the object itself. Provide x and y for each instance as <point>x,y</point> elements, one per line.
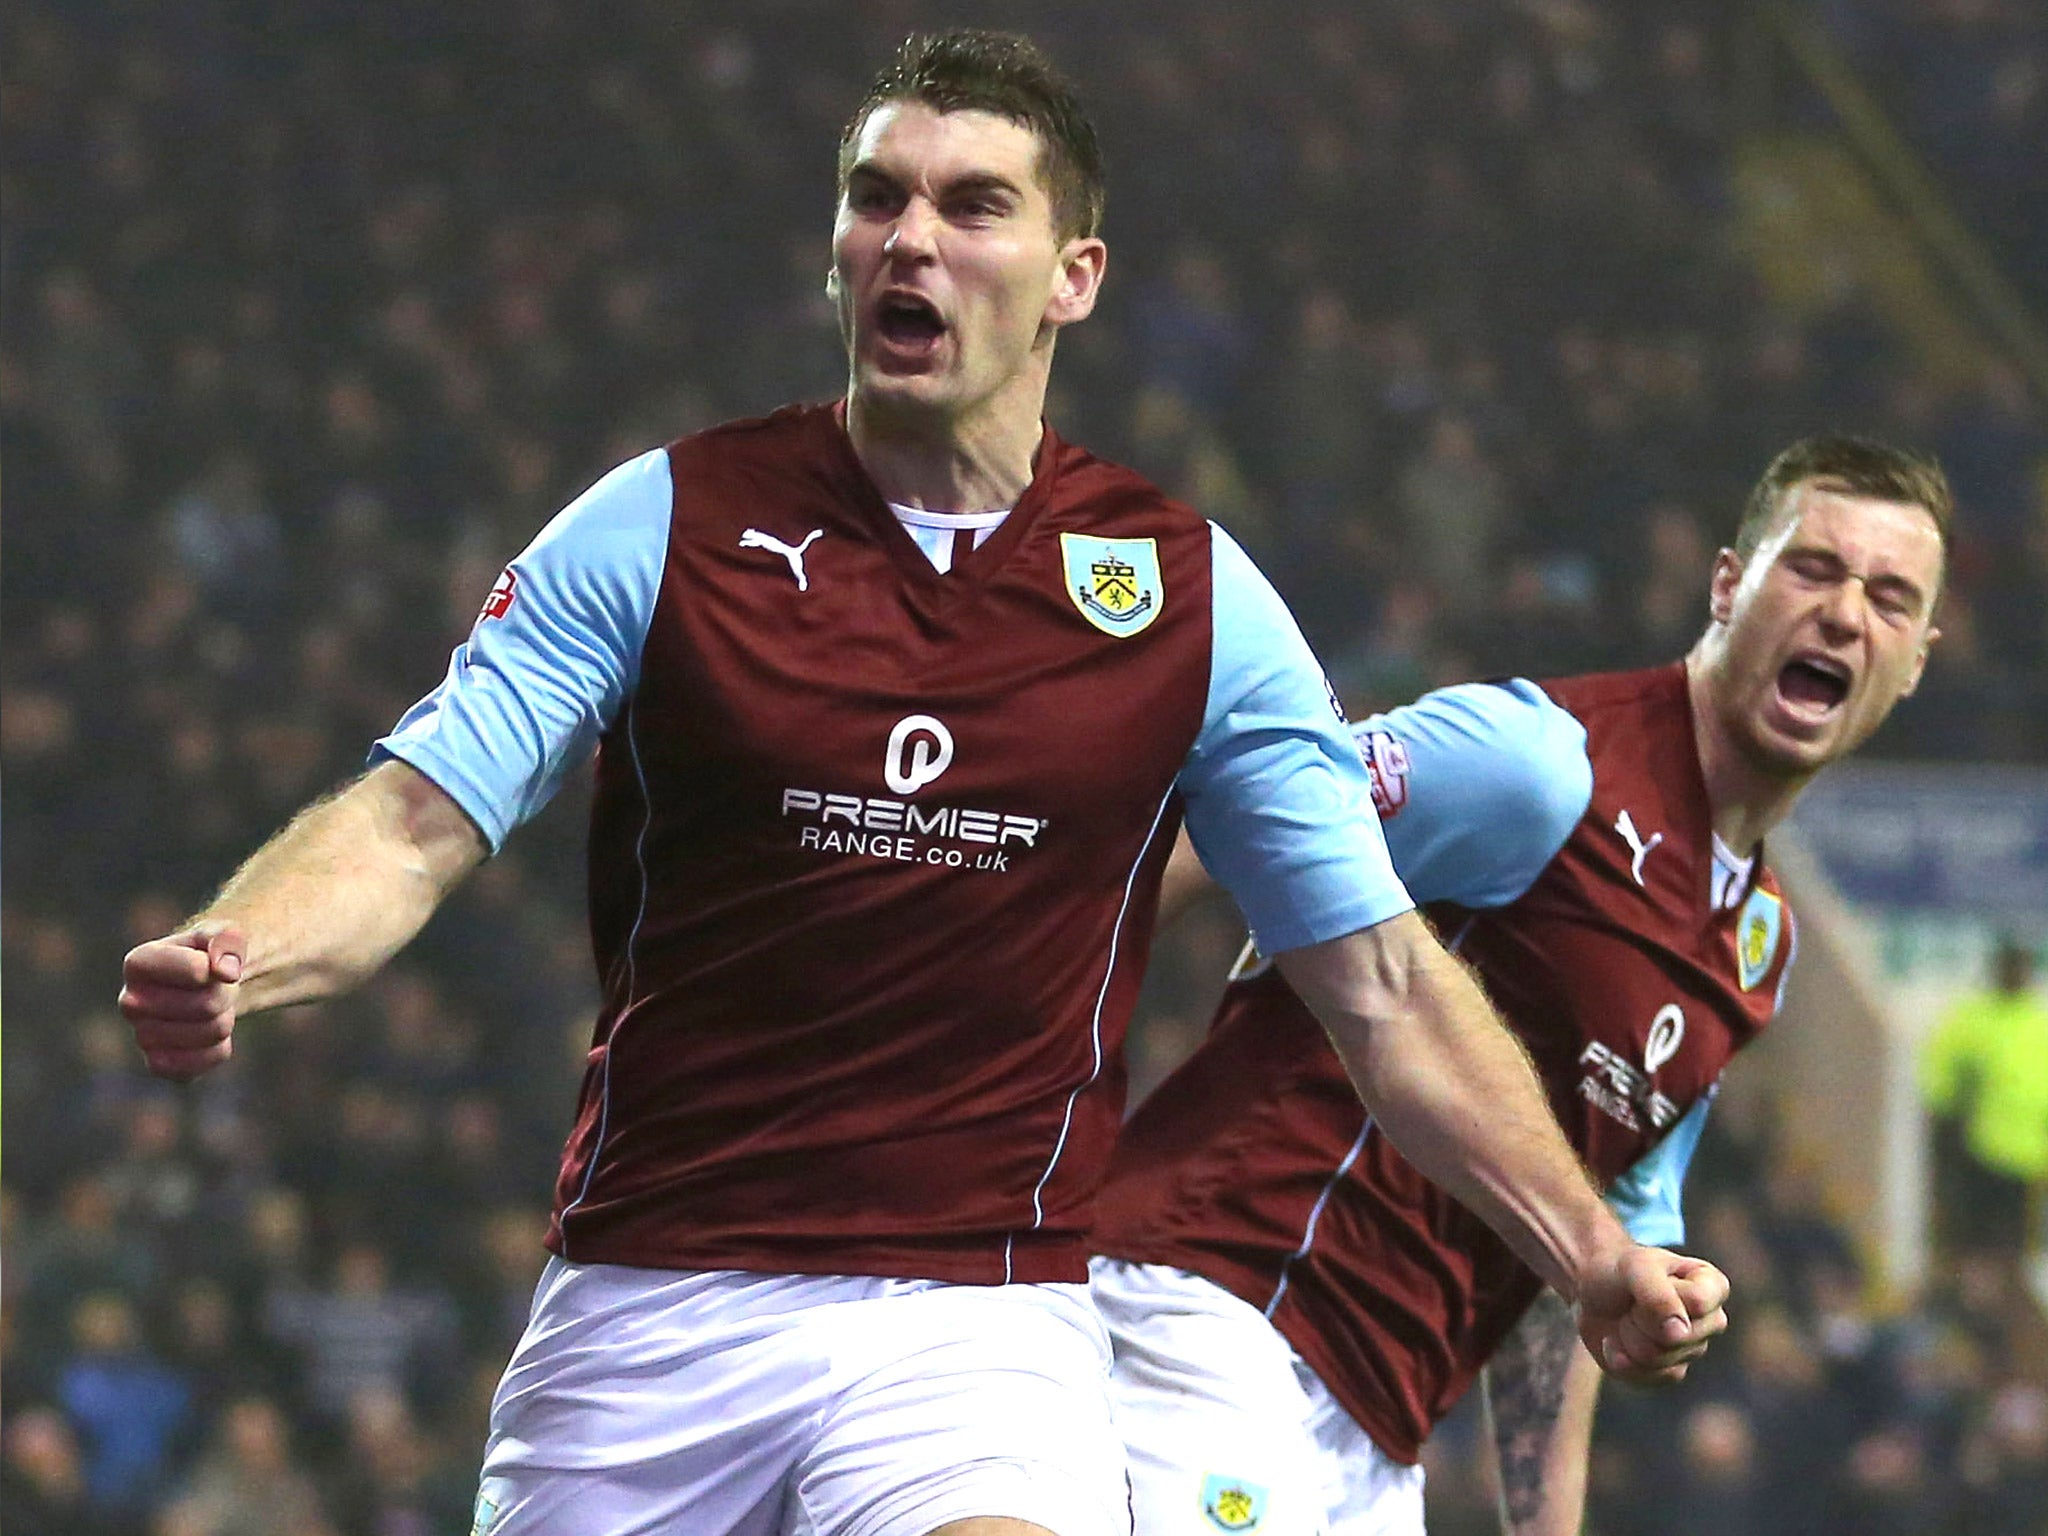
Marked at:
<point>1114,582</point>
<point>1756,936</point>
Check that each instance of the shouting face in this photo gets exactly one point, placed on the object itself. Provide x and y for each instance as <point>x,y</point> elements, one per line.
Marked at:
<point>1824,627</point>
<point>950,277</point>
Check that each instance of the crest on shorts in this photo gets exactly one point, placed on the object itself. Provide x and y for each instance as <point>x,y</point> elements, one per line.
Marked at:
<point>1756,936</point>
<point>1114,582</point>
<point>1232,1504</point>
<point>486,1515</point>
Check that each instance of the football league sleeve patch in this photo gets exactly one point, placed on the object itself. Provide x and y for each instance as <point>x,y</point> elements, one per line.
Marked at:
<point>1278,803</point>
<point>1477,786</point>
<point>1649,1197</point>
<point>551,657</point>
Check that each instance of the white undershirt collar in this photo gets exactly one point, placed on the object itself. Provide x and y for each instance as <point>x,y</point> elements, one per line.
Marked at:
<point>1731,874</point>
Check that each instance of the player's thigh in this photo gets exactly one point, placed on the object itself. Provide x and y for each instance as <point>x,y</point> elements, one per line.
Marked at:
<point>1213,1417</point>
<point>651,1401</point>
<point>1372,1494</point>
<point>964,1404</point>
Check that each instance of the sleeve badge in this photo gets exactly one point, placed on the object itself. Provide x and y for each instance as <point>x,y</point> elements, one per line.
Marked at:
<point>1387,762</point>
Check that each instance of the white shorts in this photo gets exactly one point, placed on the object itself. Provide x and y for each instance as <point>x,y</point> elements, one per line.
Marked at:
<point>721,1403</point>
<point>1227,1428</point>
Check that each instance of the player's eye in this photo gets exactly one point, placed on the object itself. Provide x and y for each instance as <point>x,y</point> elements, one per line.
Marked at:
<point>866,196</point>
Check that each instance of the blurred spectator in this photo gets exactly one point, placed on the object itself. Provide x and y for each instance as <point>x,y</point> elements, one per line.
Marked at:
<point>1985,1079</point>
<point>43,1477</point>
<point>1800,1422</point>
<point>401,1481</point>
<point>154,1185</point>
<point>208,1343</point>
<point>246,1484</point>
<point>1452,508</point>
<point>86,1252</point>
<point>128,1405</point>
<point>1192,340</point>
<point>1891,1490</point>
<point>362,1333</point>
<point>2007,1468</point>
<point>1719,1486</point>
<point>1678,560</point>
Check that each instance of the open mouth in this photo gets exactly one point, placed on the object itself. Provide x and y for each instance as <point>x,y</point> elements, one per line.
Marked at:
<point>909,322</point>
<point>1814,684</point>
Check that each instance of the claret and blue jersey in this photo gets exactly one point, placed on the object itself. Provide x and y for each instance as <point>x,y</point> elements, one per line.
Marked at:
<point>1508,781</point>
<point>1559,838</point>
<point>875,848</point>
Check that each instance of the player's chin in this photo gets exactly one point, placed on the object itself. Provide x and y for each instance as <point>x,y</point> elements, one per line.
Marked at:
<point>904,393</point>
<point>1801,750</point>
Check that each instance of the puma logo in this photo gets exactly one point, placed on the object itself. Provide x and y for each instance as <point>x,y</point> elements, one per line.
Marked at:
<point>1640,849</point>
<point>754,538</point>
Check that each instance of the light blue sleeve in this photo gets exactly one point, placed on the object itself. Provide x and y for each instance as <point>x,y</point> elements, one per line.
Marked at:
<point>552,659</point>
<point>1478,786</point>
<point>1647,1197</point>
<point>1278,803</point>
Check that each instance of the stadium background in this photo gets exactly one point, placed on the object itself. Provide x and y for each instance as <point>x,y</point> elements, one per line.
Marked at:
<point>1473,320</point>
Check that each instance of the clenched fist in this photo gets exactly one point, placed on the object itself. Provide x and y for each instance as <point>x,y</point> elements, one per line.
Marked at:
<point>1650,1315</point>
<point>179,994</point>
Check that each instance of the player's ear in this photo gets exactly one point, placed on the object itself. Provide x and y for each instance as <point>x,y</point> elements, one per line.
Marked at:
<point>1721,590</point>
<point>1919,665</point>
<point>1082,263</point>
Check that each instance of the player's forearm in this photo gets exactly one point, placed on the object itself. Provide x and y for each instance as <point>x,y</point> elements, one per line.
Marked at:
<point>1541,1390</point>
<point>1454,1091</point>
<point>345,886</point>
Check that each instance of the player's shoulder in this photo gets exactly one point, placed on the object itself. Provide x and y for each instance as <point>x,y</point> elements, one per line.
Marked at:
<point>1478,786</point>
<point>1640,738</point>
<point>1508,732</point>
<point>780,431</point>
<point>1099,487</point>
<point>797,459</point>
<point>1509,754</point>
<point>1596,698</point>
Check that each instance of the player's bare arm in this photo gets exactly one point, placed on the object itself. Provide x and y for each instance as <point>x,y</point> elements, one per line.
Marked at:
<point>1454,1090</point>
<point>312,913</point>
<point>1183,883</point>
<point>1541,1391</point>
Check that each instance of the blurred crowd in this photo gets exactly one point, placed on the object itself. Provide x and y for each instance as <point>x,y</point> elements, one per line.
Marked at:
<point>315,312</point>
<point>1818,1414</point>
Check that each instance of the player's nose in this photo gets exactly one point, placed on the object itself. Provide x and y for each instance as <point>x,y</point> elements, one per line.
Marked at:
<point>910,236</point>
<point>1843,609</point>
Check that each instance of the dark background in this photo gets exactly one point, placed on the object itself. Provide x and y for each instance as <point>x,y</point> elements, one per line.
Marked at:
<point>314,313</point>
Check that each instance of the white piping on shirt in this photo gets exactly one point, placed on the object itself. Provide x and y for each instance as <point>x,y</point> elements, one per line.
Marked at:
<point>1095,1034</point>
<point>604,1095</point>
<point>1315,1215</point>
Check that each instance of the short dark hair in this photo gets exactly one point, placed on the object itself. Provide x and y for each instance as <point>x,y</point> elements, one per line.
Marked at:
<point>968,70</point>
<point>1861,466</point>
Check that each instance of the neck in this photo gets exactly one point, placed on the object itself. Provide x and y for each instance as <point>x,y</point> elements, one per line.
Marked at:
<point>1746,799</point>
<point>977,462</point>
